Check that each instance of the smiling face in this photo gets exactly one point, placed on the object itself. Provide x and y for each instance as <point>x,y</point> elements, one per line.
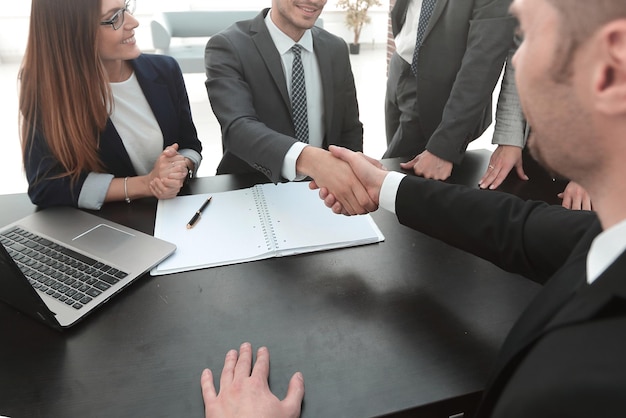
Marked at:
<point>115,46</point>
<point>294,17</point>
<point>554,90</point>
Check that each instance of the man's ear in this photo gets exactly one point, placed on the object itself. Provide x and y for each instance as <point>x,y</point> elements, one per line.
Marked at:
<point>610,76</point>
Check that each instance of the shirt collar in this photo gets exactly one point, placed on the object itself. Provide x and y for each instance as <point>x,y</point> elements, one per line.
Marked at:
<point>605,249</point>
<point>283,42</point>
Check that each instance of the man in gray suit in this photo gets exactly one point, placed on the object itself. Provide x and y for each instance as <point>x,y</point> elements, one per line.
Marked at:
<point>249,69</point>
<point>433,110</point>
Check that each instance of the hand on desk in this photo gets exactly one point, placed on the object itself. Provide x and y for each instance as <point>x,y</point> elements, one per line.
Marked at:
<point>575,197</point>
<point>429,166</point>
<point>336,176</point>
<point>169,173</point>
<point>502,161</point>
<point>247,394</point>
<point>368,171</point>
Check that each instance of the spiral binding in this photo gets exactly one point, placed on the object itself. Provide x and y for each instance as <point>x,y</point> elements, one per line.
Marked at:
<point>266,222</point>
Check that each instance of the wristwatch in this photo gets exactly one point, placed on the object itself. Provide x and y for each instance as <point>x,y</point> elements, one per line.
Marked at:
<point>189,174</point>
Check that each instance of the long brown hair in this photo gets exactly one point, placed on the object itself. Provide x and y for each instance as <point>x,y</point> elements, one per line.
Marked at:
<point>64,92</point>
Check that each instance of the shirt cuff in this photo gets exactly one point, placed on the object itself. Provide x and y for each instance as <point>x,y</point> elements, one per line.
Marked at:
<point>288,170</point>
<point>194,156</point>
<point>389,190</point>
<point>94,191</point>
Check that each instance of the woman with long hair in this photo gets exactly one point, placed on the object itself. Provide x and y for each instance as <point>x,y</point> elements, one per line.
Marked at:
<point>99,120</point>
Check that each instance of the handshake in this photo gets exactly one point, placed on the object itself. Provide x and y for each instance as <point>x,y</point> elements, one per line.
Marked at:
<point>349,182</point>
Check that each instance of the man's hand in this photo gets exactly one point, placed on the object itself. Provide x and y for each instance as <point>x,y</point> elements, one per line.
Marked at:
<point>369,172</point>
<point>502,161</point>
<point>244,394</point>
<point>337,177</point>
<point>429,166</point>
<point>575,197</point>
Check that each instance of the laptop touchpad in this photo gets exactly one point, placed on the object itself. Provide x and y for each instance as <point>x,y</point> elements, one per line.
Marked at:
<point>101,239</point>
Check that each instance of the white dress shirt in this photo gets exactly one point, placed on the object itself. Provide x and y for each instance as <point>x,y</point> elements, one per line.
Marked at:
<point>405,39</point>
<point>605,249</point>
<point>314,95</point>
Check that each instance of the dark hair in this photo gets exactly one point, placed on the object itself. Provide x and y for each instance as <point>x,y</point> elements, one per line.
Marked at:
<point>64,90</point>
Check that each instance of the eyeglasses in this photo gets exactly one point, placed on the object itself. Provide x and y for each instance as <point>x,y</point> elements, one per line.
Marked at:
<point>117,20</point>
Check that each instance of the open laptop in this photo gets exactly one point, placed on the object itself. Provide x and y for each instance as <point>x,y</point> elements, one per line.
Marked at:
<point>61,263</point>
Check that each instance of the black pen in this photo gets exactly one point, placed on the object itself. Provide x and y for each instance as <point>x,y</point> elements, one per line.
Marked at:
<point>196,217</point>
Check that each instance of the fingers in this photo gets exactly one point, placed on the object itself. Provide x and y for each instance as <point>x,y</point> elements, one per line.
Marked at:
<point>295,393</point>
<point>247,393</point>
<point>244,362</point>
<point>376,163</point>
<point>228,371</point>
<point>433,170</point>
<point>165,188</point>
<point>410,164</point>
<point>494,176</point>
<point>171,150</point>
<point>489,177</point>
<point>519,168</point>
<point>575,197</point>
<point>208,388</point>
<point>261,368</point>
<point>574,201</point>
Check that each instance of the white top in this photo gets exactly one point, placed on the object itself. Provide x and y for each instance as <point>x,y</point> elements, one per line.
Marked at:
<point>405,39</point>
<point>314,95</point>
<point>136,124</point>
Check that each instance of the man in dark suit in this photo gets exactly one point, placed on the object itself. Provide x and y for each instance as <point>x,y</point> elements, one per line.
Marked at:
<point>440,100</point>
<point>565,355</point>
<point>249,68</point>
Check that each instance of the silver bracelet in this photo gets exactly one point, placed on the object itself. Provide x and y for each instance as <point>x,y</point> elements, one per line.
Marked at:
<point>126,198</point>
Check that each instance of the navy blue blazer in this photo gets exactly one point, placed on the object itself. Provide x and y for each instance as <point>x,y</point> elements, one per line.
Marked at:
<point>162,83</point>
<point>565,355</point>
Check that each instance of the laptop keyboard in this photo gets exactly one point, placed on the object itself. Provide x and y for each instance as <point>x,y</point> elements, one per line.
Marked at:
<point>58,271</point>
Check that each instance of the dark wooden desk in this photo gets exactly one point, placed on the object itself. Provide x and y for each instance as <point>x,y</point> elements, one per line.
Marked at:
<point>409,324</point>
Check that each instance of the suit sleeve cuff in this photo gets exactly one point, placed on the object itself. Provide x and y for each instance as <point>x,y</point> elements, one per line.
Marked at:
<point>94,191</point>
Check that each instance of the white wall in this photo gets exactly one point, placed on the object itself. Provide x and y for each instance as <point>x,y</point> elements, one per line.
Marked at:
<point>14,17</point>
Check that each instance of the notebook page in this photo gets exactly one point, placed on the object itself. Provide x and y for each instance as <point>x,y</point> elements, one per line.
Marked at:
<point>228,232</point>
<point>302,223</point>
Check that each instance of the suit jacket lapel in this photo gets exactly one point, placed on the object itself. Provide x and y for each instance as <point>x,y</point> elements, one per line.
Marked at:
<point>155,91</point>
<point>398,16</point>
<point>324,61</point>
<point>263,41</point>
<point>591,299</point>
<point>440,5</point>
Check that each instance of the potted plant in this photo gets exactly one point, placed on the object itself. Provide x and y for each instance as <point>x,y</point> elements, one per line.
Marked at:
<point>356,17</point>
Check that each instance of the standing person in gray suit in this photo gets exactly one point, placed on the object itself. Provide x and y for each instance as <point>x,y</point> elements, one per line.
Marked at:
<point>249,69</point>
<point>439,93</point>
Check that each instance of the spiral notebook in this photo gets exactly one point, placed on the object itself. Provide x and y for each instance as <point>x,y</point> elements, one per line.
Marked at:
<point>264,221</point>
